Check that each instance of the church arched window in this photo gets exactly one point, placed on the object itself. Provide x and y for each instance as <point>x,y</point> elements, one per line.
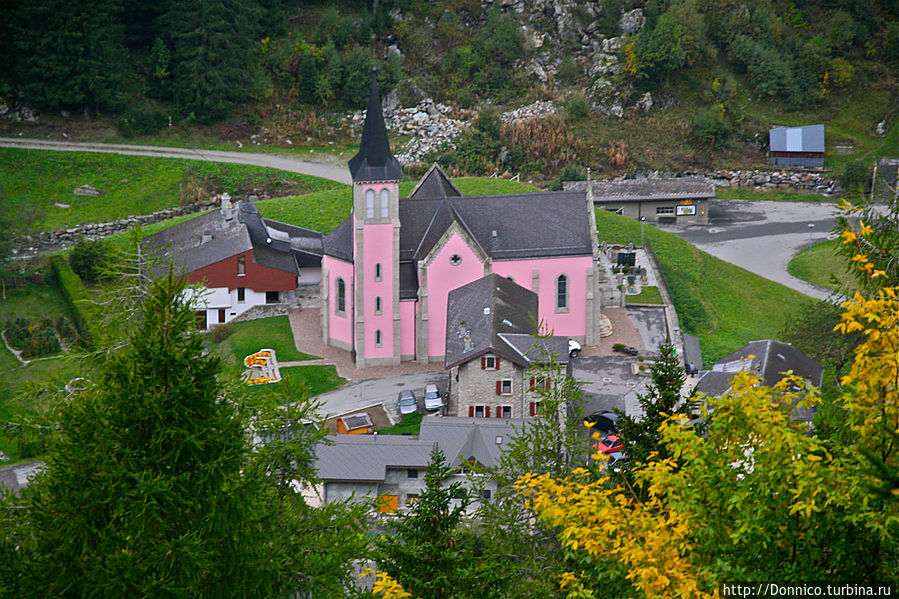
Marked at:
<point>370,203</point>
<point>340,304</point>
<point>385,203</point>
<point>561,292</point>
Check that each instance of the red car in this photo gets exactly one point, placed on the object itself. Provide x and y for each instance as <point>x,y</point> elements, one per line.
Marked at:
<point>610,444</point>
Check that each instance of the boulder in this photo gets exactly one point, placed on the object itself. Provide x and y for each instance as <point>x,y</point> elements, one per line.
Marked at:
<point>631,22</point>
<point>86,190</point>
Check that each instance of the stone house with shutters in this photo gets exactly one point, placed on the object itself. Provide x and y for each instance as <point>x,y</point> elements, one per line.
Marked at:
<point>388,269</point>
<point>491,347</point>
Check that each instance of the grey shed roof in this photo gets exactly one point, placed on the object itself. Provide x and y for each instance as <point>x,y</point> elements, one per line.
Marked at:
<point>462,439</point>
<point>374,161</point>
<point>366,458</point>
<point>495,314</point>
<point>211,238</point>
<point>641,190</point>
<point>771,359</point>
<point>184,242</point>
<point>809,138</point>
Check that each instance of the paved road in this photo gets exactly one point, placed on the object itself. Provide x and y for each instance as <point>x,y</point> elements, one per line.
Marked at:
<point>357,395</point>
<point>762,237</point>
<point>326,170</point>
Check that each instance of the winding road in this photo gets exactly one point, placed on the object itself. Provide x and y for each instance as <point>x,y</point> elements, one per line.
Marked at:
<point>760,236</point>
<point>326,169</point>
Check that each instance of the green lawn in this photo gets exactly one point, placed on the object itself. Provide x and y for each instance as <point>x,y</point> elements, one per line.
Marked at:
<point>33,302</point>
<point>314,379</point>
<point>820,264</point>
<point>324,210</point>
<point>722,304</point>
<point>33,181</point>
<point>411,423</point>
<point>777,195</point>
<point>251,336</point>
<point>648,295</point>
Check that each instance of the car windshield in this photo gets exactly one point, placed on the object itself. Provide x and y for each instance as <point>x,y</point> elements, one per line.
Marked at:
<point>431,395</point>
<point>407,401</point>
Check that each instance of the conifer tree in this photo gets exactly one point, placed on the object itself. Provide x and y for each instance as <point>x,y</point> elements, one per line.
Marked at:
<point>641,437</point>
<point>151,487</point>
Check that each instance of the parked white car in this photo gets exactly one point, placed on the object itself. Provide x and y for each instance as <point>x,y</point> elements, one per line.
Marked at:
<point>433,401</point>
<point>407,403</point>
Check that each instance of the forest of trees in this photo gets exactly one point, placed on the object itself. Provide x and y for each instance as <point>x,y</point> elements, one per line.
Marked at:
<point>200,59</point>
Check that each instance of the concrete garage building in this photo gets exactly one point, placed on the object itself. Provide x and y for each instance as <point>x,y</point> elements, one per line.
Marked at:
<point>796,146</point>
<point>673,200</point>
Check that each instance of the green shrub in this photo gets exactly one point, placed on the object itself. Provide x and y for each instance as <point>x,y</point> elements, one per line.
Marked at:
<point>570,172</point>
<point>577,107</point>
<point>569,71</point>
<point>142,122</point>
<point>222,332</point>
<point>711,127</point>
<point>88,258</point>
<point>77,297</point>
<point>16,332</point>
<point>855,177</point>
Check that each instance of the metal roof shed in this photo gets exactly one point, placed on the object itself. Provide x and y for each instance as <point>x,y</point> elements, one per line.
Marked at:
<point>796,146</point>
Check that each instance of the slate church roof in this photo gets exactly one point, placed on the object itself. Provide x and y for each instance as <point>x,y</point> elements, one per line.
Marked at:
<point>505,227</point>
<point>374,162</point>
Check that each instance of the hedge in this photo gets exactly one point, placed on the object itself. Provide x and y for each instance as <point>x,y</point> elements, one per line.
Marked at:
<point>75,293</point>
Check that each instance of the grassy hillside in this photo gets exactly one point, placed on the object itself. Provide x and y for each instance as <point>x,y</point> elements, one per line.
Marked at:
<point>32,182</point>
<point>322,211</point>
<point>821,265</point>
<point>722,304</point>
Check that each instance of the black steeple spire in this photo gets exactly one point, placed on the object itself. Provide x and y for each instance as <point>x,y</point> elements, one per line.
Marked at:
<point>374,162</point>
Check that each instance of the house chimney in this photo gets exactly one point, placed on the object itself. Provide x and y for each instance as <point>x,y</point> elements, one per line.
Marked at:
<point>227,207</point>
<point>207,236</point>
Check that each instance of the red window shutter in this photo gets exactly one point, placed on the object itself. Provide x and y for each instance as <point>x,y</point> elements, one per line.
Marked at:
<point>496,364</point>
<point>471,411</point>
<point>486,411</point>
<point>533,380</point>
<point>483,363</point>
<point>499,387</point>
<point>533,408</point>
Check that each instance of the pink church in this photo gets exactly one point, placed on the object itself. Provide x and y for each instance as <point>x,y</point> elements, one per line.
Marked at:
<point>388,269</point>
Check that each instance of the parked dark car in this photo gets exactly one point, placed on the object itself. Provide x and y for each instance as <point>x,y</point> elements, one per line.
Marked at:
<point>604,422</point>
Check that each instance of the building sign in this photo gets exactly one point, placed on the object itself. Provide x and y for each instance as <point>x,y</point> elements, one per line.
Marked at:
<point>686,211</point>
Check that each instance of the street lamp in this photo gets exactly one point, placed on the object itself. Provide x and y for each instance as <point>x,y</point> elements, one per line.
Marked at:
<point>642,242</point>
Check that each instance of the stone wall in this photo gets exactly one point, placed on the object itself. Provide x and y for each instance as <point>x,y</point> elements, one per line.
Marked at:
<point>792,180</point>
<point>52,241</point>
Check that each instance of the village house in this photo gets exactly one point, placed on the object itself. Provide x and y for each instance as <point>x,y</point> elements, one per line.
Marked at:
<point>388,269</point>
<point>391,468</point>
<point>242,259</point>
<point>491,346</point>
<point>667,201</point>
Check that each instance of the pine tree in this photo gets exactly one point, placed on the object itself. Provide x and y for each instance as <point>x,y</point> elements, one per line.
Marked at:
<point>429,552</point>
<point>151,487</point>
<point>74,57</point>
<point>212,54</point>
<point>641,437</point>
